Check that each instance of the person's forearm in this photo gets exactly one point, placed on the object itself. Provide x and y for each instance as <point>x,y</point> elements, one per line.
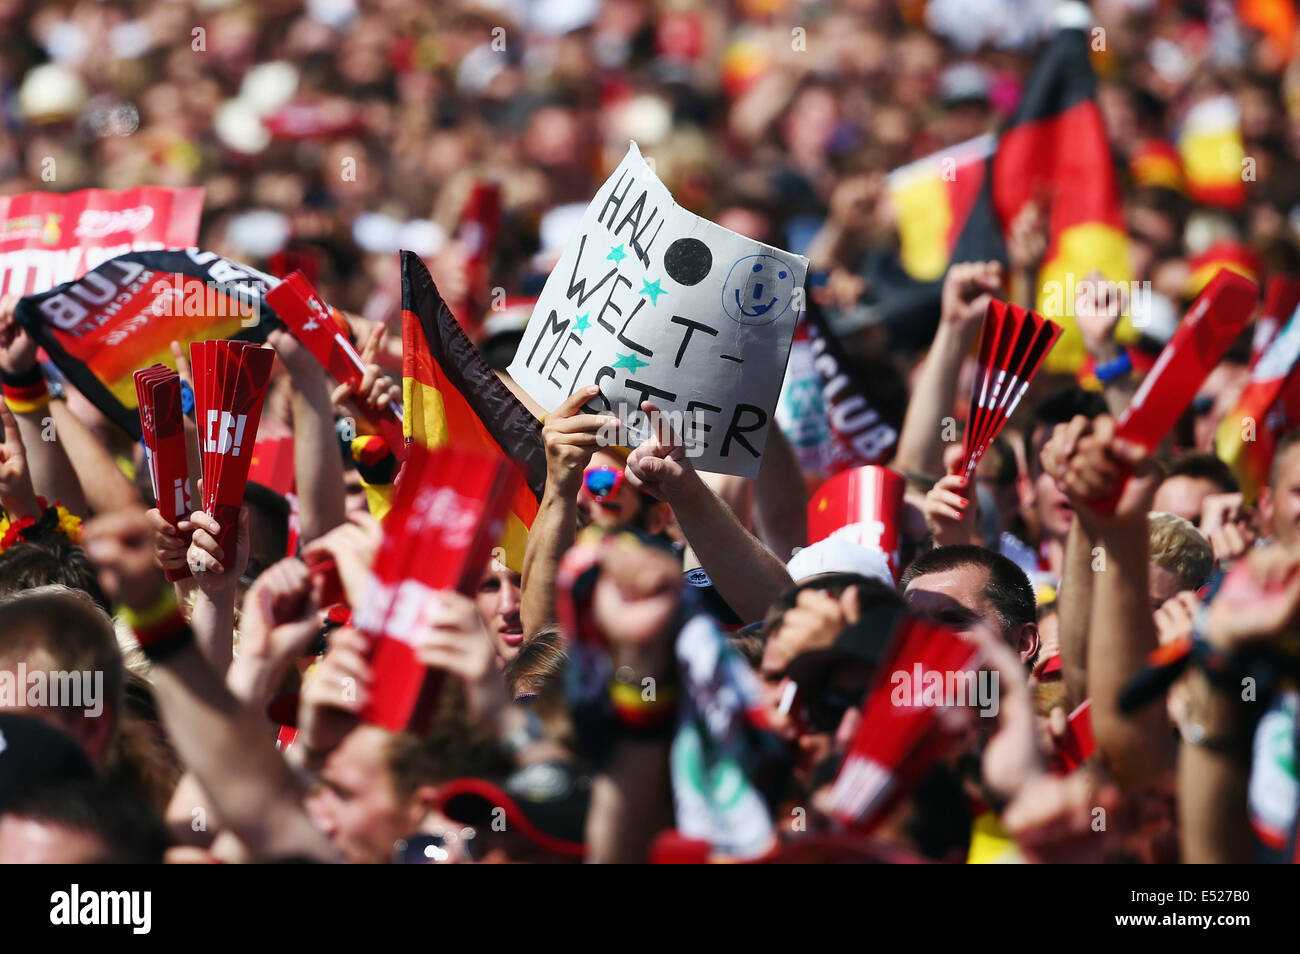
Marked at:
<point>213,622</point>
<point>224,745</point>
<point>1075,611</point>
<point>190,816</point>
<point>1137,748</point>
<point>317,462</point>
<point>254,681</point>
<point>920,450</point>
<point>780,498</point>
<point>550,536</point>
<point>1214,827</point>
<point>1022,290</point>
<point>745,573</point>
<point>103,484</point>
<point>53,475</point>
<point>631,801</point>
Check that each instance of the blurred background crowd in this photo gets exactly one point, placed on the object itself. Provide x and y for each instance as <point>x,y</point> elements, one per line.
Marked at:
<point>359,128</point>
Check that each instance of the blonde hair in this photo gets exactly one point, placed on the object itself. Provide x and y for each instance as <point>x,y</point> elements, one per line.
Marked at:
<point>1178,547</point>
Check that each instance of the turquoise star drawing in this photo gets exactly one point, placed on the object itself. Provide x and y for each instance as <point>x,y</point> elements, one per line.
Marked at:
<point>616,253</point>
<point>651,289</point>
<point>631,362</point>
<point>581,324</point>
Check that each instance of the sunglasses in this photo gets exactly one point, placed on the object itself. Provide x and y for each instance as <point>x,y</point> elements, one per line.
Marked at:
<point>602,482</point>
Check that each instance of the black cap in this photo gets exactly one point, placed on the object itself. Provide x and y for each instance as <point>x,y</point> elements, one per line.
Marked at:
<point>546,803</point>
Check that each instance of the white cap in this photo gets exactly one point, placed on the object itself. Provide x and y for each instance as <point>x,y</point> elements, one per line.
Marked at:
<point>837,555</point>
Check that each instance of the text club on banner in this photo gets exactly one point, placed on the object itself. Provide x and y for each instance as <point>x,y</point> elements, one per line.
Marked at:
<point>653,303</point>
<point>125,314</point>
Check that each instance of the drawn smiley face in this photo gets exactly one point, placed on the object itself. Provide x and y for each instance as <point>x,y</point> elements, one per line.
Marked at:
<point>758,290</point>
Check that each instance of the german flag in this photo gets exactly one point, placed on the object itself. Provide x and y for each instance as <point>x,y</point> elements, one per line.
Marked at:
<point>1157,165</point>
<point>1276,19</point>
<point>1247,437</point>
<point>932,198</point>
<point>1055,146</point>
<point>1212,152</point>
<point>452,398</point>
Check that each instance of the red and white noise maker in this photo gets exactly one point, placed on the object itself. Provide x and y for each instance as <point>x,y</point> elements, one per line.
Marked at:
<point>862,506</point>
<point>162,427</point>
<point>1013,344</point>
<point>448,512</point>
<point>1206,332</point>
<point>230,379</point>
<point>312,322</point>
<point>928,669</point>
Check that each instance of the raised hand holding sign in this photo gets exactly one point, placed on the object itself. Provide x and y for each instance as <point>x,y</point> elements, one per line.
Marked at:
<point>650,302</point>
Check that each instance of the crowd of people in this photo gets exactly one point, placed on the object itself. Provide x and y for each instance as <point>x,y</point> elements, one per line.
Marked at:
<point>672,673</point>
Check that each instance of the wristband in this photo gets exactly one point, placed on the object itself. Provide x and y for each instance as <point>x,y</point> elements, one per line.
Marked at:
<point>159,627</point>
<point>375,460</point>
<point>1117,368</point>
<point>638,715</point>
<point>26,391</point>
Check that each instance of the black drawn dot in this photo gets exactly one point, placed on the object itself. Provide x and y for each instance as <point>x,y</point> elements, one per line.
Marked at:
<point>687,261</point>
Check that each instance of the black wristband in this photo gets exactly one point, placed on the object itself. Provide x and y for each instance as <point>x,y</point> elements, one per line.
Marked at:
<point>23,379</point>
<point>170,646</point>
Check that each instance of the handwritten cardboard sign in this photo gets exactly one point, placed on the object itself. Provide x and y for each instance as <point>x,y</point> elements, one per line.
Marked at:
<point>653,303</point>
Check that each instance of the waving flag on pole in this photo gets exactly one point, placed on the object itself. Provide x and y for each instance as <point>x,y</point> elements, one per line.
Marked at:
<point>451,398</point>
<point>1247,437</point>
<point>932,198</point>
<point>1281,296</point>
<point>1055,147</point>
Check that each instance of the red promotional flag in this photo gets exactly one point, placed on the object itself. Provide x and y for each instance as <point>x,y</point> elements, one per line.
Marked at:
<point>1078,744</point>
<point>1247,437</point>
<point>272,464</point>
<point>1013,344</point>
<point>928,668</point>
<point>320,327</point>
<point>230,379</point>
<point>47,238</point>
<point>448,512</point>
<point>163,429</point>
<point>480,224</point>
<point>1205,333</point>
<point>862,505</point>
